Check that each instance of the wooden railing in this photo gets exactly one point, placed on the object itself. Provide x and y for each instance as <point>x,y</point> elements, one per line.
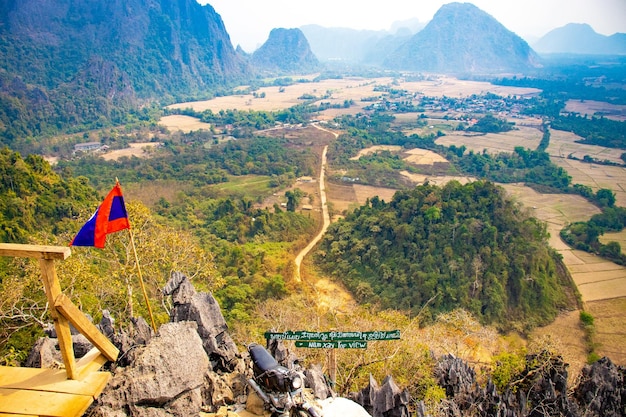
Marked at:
<point>64,312</point>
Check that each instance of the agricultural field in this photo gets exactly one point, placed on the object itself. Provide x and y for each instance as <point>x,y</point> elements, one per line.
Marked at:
<point>602,284</point>
<point>348,88</point>
<point>185,124</point>
<point>139,149</point>
<point>619,237</point>
<point>597,108</point>
<point>493,143</point>
<point>563,144</point>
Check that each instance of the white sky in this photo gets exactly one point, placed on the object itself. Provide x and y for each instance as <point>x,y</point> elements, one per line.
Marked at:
<point>249,22</point>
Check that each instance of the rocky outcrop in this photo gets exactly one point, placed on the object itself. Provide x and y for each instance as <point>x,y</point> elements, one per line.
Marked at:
<point>540,389</point>
<point>602,389</point>
<point>203,309</point>
<point>386,401</point>
<point>285,51</point>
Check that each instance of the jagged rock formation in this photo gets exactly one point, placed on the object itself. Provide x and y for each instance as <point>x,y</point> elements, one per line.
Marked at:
<point>191,365</point>
<point>285,51</point>
<point>461,38</point>
<point>580,38</point>
<point>386,401</point>
<point>539,390</point>
<point>203,309</point>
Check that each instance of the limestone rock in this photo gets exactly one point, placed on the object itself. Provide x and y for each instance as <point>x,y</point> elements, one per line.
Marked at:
<point>602,389</point>
<point>166,376</point>
<point>317,383</point>
<point>202,308</point>
<point>387,401</point>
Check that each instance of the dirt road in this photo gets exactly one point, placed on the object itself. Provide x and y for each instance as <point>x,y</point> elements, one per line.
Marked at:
<point>325,215</point>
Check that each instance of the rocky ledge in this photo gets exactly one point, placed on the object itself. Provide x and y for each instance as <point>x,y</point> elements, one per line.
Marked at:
<point>192,366</point>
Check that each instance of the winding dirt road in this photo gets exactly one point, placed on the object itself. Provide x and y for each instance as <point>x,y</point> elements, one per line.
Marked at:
<point>325,214</point>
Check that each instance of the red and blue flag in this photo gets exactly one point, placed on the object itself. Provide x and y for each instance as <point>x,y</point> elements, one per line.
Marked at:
<point>110,217</point>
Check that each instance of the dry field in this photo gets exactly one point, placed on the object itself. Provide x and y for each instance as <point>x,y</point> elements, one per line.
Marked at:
<point>140,150</point>
<point>563,144</point>
<point>441,86</point>
<point>597,176</point>
<point>423,157</point>
<point>528,137</point>
<point>349,88</point>
<point>435,179</point>
<point>619,237</point>
<point>183,123</point>
<point>598,108</point>
<point>602,284</point>
<point>374,149</point>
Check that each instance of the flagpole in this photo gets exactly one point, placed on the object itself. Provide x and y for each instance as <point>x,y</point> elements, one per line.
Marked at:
<point>143,287</point>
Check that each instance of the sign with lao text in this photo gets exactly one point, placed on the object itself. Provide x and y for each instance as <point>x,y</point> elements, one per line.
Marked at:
<point>334,336</point>
<point>331,345</point>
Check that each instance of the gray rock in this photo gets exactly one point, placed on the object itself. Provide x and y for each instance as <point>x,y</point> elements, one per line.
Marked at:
<point>316,381</point>
<point>387,401</point>
<point>203,309</point>
<point>602,389</point>
<point>165,378</point>
<point>44,354</point>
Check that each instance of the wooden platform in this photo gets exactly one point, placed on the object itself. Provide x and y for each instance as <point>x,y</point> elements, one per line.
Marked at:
<point>47,392</point>
<point>64,392</point>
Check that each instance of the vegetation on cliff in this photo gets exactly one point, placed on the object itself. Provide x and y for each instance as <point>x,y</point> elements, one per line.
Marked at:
<point>460,245</point>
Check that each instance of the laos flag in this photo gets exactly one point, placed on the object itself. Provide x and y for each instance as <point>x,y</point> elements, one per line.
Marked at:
<point>110,217</point>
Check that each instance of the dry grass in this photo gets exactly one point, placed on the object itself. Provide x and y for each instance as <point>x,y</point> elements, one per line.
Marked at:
<point>597,176</point>
<point>563,144</point>
<point>600,108</point>
<point>528,137</point>
<point>183,123</point>
<point>619,237</point>
<point>375,149</point>
<point>610,328</point>
<point>140,150</point>
<point>569,338</point>
<point>423,157</point>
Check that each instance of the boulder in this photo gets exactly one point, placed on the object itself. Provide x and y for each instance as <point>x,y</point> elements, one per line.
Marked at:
<point>164,379</point>
<point>203,309</point>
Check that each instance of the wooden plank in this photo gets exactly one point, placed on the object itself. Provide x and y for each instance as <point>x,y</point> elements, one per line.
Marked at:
<point>65,306</point>
<point>35,251</point>
<point>52,380</point>
<point>91,362</point>
<point>61,324</point>
<point>42,403</point>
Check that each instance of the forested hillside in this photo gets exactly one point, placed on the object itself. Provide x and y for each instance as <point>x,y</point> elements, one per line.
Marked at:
<point>68,63</point>
<point>456,246</point>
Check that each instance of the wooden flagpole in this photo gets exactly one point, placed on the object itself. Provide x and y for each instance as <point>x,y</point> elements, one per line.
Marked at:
<point>143,287</point>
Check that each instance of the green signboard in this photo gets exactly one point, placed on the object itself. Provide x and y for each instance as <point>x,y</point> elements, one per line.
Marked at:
<point>331,345</point>
<point>334,336</point>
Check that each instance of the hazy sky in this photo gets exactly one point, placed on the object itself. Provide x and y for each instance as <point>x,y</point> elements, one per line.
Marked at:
<point>249,22</point>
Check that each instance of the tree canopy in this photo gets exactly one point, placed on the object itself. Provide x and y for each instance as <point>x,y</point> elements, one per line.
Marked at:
<point>465,245</point>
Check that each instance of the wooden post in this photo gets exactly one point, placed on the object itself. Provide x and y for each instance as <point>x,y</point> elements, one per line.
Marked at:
<point>61,324</point>
<point>143,287</point>
<point>332,367</point>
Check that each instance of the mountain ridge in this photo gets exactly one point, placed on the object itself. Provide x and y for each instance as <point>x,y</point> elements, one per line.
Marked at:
<point>462,38</point>
<point>580,38</point>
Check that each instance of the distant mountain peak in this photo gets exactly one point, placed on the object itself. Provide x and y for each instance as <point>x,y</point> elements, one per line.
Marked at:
<point>580,38</point>
<point>286,50</point>
<point>462,38</point>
